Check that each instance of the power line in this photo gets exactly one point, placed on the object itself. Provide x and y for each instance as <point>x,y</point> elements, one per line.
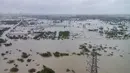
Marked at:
<point>92,63</point>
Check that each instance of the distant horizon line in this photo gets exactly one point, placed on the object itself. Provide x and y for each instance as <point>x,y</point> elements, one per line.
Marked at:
<point>55,14</point>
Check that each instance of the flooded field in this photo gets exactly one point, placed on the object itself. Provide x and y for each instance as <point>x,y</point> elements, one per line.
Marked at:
<point>32,45</point>
<point>107,64</point>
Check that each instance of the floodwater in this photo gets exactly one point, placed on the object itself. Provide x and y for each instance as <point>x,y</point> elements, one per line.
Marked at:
<point>106,64</point>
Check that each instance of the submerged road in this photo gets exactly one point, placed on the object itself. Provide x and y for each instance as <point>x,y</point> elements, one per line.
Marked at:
<point>11,28</point>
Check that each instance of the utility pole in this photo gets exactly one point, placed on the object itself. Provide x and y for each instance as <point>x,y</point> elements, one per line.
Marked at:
<point>94,62</point>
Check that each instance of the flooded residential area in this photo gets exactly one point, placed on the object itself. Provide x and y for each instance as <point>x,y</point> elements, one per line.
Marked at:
<point>64,44</point>
<point>64,36</point>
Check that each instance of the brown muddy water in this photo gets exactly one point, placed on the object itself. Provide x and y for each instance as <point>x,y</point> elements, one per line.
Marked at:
<point>106,64</point>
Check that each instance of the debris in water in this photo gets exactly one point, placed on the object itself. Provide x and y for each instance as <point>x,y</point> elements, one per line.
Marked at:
<point>5,69</point>
<point>5,58</point>
<point>121,55</point>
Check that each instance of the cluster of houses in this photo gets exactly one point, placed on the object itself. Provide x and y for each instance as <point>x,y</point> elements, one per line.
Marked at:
<point>25,28</point>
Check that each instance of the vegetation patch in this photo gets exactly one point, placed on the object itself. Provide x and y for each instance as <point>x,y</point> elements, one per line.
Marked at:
<point>29,60</point>
<point>48,54</point>
<point>67,70</point>
<point>119,32</point>
<point>32,70</point>
<point>2,40</point>
<point>37,64</point>
<point>24,37</point>
<point>99,50</point>
<point>110,54</point>
<point>84,48</point>
<point>14,69</point>
<point>3,30</point>
<point>64,35</point>
<point>73,53</point>
<point>8,44</point>
<point>58,54</point>
<point>7,52</point>
<point>5,58</point>
<point>64,54</point>
<point>73,71</point>
<point>98,54</point>
<point>121,55</point>
<point>10,61</point>
<point>5,69</point>
<point>46,35</point>
<point>2,54</point>
<point>20,60</point>
<point>26,64</point>
<point>15,65</point>
<point>24,55</point>
<point>46,70</point>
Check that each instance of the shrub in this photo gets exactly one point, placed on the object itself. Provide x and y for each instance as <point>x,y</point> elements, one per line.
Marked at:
<point>98,54</point>
<point>26,64</point>
<point>15,65</point>
<point>24,55</point>
<point>2,40</point>
<point>21,60</point>
<point>67,70</point>
<point>48,54</point>
<point>47,70</point>
<point>73,53</point>
<point>56,54</point>
<point>10,61</point>
<point>14,69</point>
<point>8,44</point>
<point>29,60</point>
<point>7,52</point>
<point>2,54</point>
<point>64,54</point>
<point>5,69</point>
<point>78,54</point>
<point>73,71</point>
<point>5,58</point>
<point>64,35</point>
<point>32,70</point>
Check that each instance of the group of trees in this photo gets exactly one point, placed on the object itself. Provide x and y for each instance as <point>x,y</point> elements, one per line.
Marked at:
<point>118,33</point>
<point>17,37</point>
<point>2,31</point>
<point>46,35</point>
<point>52,35</point>
<point>64,35</point>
